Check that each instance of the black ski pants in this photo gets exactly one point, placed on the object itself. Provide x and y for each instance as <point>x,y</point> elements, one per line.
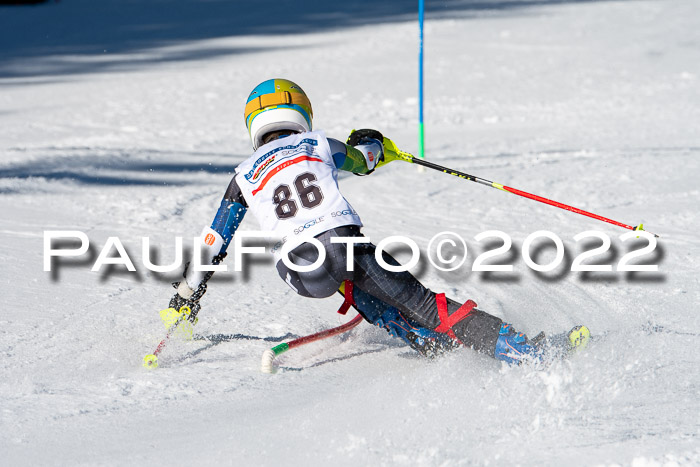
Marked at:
<point>398,289</point>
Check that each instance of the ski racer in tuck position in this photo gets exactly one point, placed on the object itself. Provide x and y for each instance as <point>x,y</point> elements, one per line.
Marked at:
<point>290,184</point>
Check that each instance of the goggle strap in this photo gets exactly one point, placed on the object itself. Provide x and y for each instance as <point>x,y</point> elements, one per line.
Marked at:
<point>277,98</point>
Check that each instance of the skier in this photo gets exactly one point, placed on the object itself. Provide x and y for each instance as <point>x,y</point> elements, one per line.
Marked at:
<point>290,185</point>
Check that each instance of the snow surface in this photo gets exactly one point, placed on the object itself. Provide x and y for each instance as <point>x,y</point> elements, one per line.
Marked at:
<point>123,118</point>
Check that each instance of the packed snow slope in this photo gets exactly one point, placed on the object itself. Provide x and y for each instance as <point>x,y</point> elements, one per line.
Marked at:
<point>124,119</point>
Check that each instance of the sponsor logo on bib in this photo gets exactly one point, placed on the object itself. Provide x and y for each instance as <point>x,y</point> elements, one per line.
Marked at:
<point>262,168</point>
<point>270,158</point>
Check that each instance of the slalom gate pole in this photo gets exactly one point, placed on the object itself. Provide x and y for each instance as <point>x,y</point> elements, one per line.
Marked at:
<point>421,128</point>
<point>401,155</point>
<point>266,365</point>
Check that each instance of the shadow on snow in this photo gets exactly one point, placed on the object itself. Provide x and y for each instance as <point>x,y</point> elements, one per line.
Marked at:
<point>81,36</point>
<point>114,170</point>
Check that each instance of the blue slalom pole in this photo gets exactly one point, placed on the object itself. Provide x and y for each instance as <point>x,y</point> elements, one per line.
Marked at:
<point>421,133</point>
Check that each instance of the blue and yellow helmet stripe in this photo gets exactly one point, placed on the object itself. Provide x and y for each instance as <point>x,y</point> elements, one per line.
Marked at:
<point>277,93</point>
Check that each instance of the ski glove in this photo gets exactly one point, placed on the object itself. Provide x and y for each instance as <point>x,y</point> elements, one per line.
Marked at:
<point>185,296</point>
<point>188,297</point>
<point>370,144</point>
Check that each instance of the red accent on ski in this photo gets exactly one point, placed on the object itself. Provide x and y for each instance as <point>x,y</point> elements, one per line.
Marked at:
<point>447,321</point>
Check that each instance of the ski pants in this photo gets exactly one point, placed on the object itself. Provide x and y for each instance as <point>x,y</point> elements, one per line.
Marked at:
<point>401,290</point>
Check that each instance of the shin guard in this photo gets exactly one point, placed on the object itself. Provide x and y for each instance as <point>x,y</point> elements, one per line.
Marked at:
<point>471,327</point>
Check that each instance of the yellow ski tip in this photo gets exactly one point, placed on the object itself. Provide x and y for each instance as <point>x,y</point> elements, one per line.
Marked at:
<point>579,337</point>
<point>150,362</point>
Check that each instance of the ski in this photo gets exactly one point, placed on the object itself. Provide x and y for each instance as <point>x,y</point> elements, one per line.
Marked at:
<point>563,345</point>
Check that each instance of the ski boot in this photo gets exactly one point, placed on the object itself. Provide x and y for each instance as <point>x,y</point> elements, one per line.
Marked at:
<point>559,346</point>
<point>514,347</point>
<point>428,343</point>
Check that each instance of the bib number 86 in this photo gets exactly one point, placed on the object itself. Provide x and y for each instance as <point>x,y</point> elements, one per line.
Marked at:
<point>310,196</point>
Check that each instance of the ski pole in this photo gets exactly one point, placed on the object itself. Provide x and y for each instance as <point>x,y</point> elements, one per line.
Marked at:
<point>150,361</point>
<point>394,153</point>
<point>266,364</point>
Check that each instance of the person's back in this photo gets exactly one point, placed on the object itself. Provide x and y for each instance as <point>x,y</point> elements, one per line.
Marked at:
<point>290,185</point>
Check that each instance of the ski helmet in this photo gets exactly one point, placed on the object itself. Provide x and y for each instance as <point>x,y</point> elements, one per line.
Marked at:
<point>276,104</point>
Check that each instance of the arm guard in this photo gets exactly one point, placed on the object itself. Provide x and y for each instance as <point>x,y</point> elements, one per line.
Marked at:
<point>348,158</point>
<point>215,239</point>
<point>365,149</point>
